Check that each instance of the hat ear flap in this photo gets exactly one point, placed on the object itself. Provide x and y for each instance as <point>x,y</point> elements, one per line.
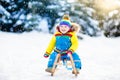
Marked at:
<point>72,28</point>
<point>57,28</point>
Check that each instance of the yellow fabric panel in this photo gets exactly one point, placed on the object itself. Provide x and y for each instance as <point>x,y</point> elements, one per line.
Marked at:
<point>74,41</point>
<point>51,45</point>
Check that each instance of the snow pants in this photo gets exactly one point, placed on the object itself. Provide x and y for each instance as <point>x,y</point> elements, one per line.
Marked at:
<point>76,59</point>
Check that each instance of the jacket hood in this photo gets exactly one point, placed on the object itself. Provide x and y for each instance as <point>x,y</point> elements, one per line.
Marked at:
<point>75,27</point>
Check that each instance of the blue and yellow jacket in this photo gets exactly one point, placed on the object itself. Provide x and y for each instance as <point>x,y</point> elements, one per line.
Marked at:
<point>63,42</point>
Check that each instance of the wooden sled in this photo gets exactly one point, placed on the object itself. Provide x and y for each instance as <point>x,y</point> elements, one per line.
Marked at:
<point>57,60</point>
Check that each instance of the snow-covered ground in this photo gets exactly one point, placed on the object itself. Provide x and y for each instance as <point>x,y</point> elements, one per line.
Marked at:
<point>21,58</point>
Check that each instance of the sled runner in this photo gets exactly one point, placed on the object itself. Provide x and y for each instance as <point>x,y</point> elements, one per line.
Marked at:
<point>57,62</point>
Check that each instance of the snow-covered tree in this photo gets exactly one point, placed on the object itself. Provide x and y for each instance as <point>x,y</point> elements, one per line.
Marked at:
<point>108,15</point>
<point>13,15</point>
<point>46,9</point>
<point>112,24</point>
<point>79,12</point>
<point>84,16</point>
<point>22,15</point>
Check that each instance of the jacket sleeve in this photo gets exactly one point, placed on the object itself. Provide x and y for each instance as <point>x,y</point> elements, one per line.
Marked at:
<point>51,45</point>
<point>74,41</point>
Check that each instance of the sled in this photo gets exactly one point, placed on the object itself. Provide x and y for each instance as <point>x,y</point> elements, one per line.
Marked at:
<point>57,62</point>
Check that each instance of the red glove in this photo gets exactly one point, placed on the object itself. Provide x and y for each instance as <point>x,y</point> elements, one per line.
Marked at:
<point>69,52</point>
<point>46,55</point>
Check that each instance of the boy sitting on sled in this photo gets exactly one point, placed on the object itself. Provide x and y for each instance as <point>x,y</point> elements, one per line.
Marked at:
<point>64,41</point>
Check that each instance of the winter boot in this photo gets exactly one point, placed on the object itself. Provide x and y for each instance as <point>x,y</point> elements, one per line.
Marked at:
<point>48,70</point>
<point>77,71</point>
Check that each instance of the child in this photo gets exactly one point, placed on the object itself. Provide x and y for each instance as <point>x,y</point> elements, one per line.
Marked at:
<point>64,41</point>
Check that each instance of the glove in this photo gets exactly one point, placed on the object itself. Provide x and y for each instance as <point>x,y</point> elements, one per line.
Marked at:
<point>69,52</point>
<point>46,55</point>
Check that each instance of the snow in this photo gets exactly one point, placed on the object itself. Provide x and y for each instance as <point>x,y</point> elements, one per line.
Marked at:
<point>18,22</point>
<point>93,22</point>
<point>22,16</point>
<point>7,0</point>
<point>52,6</point>
<point>43,25</point>
<point>21,58</point>
<point>113,12</point>
<point>29,16</point>
<point>4,11</point>
<point>89,11</point>
<point>62,3</point>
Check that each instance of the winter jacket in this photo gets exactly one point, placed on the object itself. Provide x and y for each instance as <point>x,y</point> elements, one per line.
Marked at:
<point>63,42</point>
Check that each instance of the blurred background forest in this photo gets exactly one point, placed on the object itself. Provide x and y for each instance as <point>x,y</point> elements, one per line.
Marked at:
<point>96,17</point>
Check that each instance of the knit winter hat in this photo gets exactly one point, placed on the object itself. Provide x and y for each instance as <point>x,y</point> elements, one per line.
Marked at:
<point>65,21</point>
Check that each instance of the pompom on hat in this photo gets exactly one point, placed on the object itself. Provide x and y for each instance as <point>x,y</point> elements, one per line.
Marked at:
<point>65,21</point>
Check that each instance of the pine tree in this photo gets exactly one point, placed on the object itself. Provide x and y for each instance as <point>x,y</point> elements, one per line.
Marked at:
<point>45,9</point>
<point>17,10</point>
<point>25,15</point>
<point>82,13</point>
<point>112,24</point>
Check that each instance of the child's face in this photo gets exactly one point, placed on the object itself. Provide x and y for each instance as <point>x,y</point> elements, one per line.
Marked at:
<point>64,29</point>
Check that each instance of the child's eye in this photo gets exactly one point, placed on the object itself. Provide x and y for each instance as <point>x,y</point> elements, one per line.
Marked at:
<point>65,26</point>
<point>61,26</point>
